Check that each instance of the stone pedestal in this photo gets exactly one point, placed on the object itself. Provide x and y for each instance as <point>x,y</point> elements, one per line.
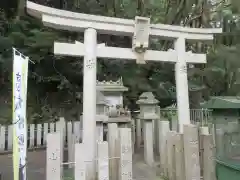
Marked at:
<point>148,142</point>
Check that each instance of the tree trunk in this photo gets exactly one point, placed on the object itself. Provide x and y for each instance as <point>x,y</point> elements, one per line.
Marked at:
<point>20,9</point>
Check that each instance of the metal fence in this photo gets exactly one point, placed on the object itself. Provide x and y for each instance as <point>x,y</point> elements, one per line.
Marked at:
<point>202,117</point>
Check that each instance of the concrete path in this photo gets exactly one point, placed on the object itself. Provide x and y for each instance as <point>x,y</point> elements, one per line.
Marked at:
<point>37,163</point>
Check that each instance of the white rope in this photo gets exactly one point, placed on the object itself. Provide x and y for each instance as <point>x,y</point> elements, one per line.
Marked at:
<point>26,57</point>
<point>67,163</point>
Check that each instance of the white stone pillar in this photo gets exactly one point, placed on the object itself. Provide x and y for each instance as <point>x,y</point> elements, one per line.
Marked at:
<point>156,130</point>
<point>179,157</point>
<point>191,152</point>
<point>164,128</point>
<point>202,131</point>
<point>54,157</point>
<point>113,138</point>
<point>103,163</point>
<point>99,132</point>
<point>171,163</point>
<point>80,164</point>
<point>138,133</point>
<point>89,100</point>
<point>125,152</point>
<point>148,142</point>
<point>209,169</point>
<point>63,123</point>
<point>99,138</point>
<point>182,83</point>
<point>174,123</point>
<point>60,129</point>
<point>71,149</point>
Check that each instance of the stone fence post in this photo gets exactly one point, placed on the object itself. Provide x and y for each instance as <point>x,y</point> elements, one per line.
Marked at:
<point>191,152</point>
<point>103,161</point>
<point>72,140</point>
<point>61,129</point>
<point>138,133</point>
<point>80,162</point>
<point>125,152</point>
<point>182,159</point>
<point>164,128</point>
<point>208,158</point>
<point>54,157</point>
<point>171,163</point>
<point>113,141</point>
<point>202,131</point>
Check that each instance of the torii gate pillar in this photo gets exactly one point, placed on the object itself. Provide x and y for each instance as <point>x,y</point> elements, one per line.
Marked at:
<point>89,99</point>
<point>182,83</point>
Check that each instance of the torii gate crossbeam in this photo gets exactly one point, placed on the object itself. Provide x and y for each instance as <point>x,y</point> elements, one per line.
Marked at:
<point>77,49</point>
<point>61,19</point>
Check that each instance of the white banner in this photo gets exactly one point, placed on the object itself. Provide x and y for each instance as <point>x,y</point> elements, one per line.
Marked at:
<point>20,76</point>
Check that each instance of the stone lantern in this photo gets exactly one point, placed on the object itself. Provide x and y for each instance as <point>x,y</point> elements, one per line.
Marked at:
<point>148,104</point>
<point>101,116</point>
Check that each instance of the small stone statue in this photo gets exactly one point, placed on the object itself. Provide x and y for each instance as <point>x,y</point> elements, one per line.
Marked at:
<point>113,111</point>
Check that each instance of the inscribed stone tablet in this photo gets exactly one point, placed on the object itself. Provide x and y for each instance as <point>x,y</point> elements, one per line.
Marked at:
<point>54,170</point>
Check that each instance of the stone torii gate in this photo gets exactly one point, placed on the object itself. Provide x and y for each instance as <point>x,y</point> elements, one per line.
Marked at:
<point>140,30</point>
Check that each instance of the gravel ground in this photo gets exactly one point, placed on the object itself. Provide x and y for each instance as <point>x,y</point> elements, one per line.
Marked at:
<point>37,164</point>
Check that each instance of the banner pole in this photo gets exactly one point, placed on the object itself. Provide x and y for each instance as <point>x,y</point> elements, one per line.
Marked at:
<point>20,76</point>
